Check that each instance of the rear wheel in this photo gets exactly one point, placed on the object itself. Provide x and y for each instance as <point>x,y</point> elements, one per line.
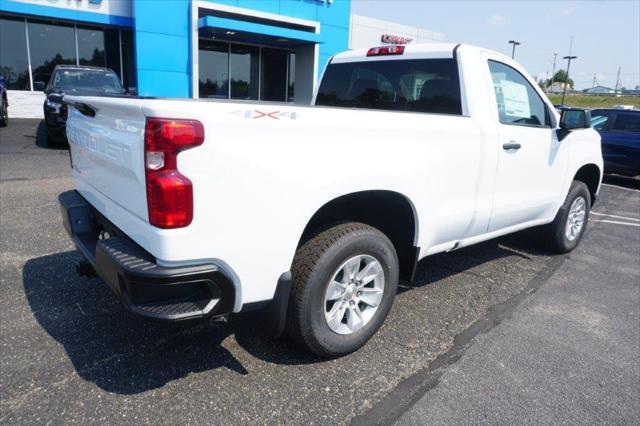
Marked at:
<point>565,232</point>
<point>344,282</point>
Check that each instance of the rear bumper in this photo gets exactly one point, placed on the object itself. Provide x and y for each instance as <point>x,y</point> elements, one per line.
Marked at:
<point>144,287</point>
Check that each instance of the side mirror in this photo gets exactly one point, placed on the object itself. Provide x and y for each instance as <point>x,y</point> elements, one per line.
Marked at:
<point>572,119</point>
<point>38,86</point>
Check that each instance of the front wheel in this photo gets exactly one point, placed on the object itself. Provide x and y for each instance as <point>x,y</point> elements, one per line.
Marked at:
<point>564,233</point>
<point>344,282</point>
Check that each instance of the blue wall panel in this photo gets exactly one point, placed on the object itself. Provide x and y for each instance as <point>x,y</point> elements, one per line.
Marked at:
<point>162,52</point>
<point>337,13</point>
<point>164,83</point>
<point>272,6</point>
<point>164,17</point>
<point>334,40</point>
<point>300,9</point>
<point>163,34</point>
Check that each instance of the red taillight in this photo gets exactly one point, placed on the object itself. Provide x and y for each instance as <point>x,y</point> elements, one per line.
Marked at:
<point>169,193</point>
<point>385,50</point>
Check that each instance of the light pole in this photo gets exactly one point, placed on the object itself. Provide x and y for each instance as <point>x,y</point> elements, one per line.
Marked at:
<point>553,73</point>
<point>513,51</point>
<point>566,82</point>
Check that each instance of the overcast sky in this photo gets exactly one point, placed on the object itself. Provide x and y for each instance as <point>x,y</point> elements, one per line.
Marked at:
<point>606,32</point>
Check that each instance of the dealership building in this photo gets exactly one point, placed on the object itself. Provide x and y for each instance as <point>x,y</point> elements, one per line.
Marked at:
<point>262,50</point>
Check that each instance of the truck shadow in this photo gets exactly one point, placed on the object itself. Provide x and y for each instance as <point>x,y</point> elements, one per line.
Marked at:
<point>622,181</point>
<point>124,354</point>
<point>43,140</point>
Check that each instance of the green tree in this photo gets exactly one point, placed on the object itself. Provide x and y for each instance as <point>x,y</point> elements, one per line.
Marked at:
<point>560,77</point>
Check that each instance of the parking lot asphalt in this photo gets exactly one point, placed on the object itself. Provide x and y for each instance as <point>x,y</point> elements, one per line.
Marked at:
<point>70,353</point>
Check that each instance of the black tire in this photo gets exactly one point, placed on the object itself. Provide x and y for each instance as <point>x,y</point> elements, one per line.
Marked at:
<point>4,114</point>
<point>553,236</point>
<point>313,267</point>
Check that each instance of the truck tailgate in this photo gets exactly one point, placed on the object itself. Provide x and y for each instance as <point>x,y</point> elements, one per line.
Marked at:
<point>107,150</point>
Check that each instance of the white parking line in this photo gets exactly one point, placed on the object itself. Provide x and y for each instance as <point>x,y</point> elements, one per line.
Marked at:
<point>615,217</point>
<point>617,223</point>
<point>621,187</point>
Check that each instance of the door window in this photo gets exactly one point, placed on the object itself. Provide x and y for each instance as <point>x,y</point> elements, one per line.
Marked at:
<point>627,123</point>
<point>518,102</point>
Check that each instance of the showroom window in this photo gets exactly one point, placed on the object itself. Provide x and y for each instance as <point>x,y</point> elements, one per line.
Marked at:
<point>30,49</point>
<point>14,65</point>
<point>242,71</point>
<point>49,45</point>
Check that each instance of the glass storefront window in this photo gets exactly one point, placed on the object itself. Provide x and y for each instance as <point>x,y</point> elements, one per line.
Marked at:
<point>128,62</point>
<point>214,69</point>
<point>14,63</point>
<point>112,50</point>
<point>273,86</point>
<point>244,62</point>
<point>91,47</point>
<point>50,45</point>
<point>253,72</point>
<point>292,77</point>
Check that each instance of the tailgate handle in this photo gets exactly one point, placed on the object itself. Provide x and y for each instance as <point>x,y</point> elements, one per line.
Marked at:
<point>511,145</point>
<point>84,109</point>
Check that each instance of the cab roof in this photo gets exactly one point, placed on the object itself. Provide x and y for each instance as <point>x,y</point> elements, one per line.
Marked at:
<point>411,51</point>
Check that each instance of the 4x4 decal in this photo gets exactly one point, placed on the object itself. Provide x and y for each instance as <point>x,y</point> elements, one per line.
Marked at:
<point>276,115</point>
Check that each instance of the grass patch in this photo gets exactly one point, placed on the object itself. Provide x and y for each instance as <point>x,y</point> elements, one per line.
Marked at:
<point>586,101</point>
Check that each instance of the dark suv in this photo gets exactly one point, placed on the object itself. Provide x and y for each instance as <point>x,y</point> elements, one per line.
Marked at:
<point>75,80</point>
<point>620,132</point>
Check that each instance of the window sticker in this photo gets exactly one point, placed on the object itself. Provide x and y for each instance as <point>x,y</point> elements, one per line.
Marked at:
<point>516,99</point>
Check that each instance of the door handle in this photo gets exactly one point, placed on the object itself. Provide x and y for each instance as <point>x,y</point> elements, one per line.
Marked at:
<point>511,145</point>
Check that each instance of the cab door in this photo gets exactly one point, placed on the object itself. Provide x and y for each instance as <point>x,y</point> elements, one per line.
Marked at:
<point>532,163</point>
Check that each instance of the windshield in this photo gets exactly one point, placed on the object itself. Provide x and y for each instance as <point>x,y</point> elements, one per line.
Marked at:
<point>86,80</point>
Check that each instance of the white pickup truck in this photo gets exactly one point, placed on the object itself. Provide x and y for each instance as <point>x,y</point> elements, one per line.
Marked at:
<point>199,208</point>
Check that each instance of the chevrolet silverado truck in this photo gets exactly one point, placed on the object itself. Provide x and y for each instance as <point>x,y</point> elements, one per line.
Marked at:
<point>205,208</point>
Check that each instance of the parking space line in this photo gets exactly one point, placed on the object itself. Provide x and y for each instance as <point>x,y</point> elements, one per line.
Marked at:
<point>615,217</point>
<point>617,222</point>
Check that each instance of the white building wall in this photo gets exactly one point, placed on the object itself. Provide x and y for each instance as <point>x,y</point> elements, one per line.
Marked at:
<point>367,32</point>
<point>23,104</point>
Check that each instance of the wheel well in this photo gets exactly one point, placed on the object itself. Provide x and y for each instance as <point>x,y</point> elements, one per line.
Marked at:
<point>590,175</point>
<point>390,212</point>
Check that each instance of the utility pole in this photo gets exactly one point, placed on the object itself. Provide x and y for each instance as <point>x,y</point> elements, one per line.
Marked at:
<point>566,83</point>
<point>513,51</point>
<point>594,80</point>
<point>553,73</point>
<point>617,80</point>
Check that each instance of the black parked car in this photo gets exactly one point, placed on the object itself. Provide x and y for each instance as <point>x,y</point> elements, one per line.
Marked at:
<point>4,104</point>
<point>620,132</point>
<point>75,80</point>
